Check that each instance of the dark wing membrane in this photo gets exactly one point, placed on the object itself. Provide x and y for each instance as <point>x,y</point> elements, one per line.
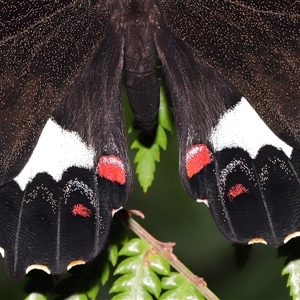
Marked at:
<point>43,47</point>
<point>254,200</point>
<point>199,94</point>
<point>70,75</point>
<point>256,45</point>
<point>70,217</point>
<point>93,108</point>
<point>52,225</point>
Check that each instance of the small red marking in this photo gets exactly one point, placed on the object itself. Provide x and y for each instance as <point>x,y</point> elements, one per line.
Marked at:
<point>237,190</point>
<point>197,157</point>
<point>81,210</point>
<point>112,168</point>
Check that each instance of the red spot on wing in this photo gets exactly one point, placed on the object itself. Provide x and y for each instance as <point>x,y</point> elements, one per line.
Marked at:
<point>197,157</point>
<point>112,168</point>
<point>81,210</point>
<point>237,190</point>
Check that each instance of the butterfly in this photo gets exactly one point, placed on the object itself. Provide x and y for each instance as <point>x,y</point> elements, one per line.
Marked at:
<point>64,165</point>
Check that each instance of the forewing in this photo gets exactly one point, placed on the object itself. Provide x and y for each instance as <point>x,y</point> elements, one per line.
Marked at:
<point>254,44</point>
<point>43,47</point>
<point>61,204</point>
<point>199,94</point>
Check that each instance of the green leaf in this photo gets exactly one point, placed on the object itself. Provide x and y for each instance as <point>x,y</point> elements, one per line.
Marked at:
<point>137,277</point>
<point>130,295</point>
<point>179,288</point>
<point>134,247</point>
<point>150,281</point>
<point>140,278</point>
<point>146,157</point>
<point>105,274</point>
<point>36,296</point>
<point>165,118</point>
<point>159,264</point>
<point>292,269</point>
<point>93,292</point>
<point>113,254</point>
<point>123,283</point>
<point>161,138</point>
<point>172,281</point>
<point>190,293</point>
<point>127,265</point>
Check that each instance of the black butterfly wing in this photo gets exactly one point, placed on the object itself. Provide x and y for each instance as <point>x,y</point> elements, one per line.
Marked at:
<point>254,44</point>
<point>43,46</point>
<point>200,95</point>
<point>61,97</point>
<point>62,65</point>
<point>214,53</point>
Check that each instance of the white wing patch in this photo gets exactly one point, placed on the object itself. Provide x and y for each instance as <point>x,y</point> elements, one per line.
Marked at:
<point>242,127</point>
<point>57,150</point>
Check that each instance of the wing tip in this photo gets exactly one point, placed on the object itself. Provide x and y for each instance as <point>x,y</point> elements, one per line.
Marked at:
<point>75,263</point>
<point>38,267</point>
<point>291,236</point>
<point>257,241</point>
